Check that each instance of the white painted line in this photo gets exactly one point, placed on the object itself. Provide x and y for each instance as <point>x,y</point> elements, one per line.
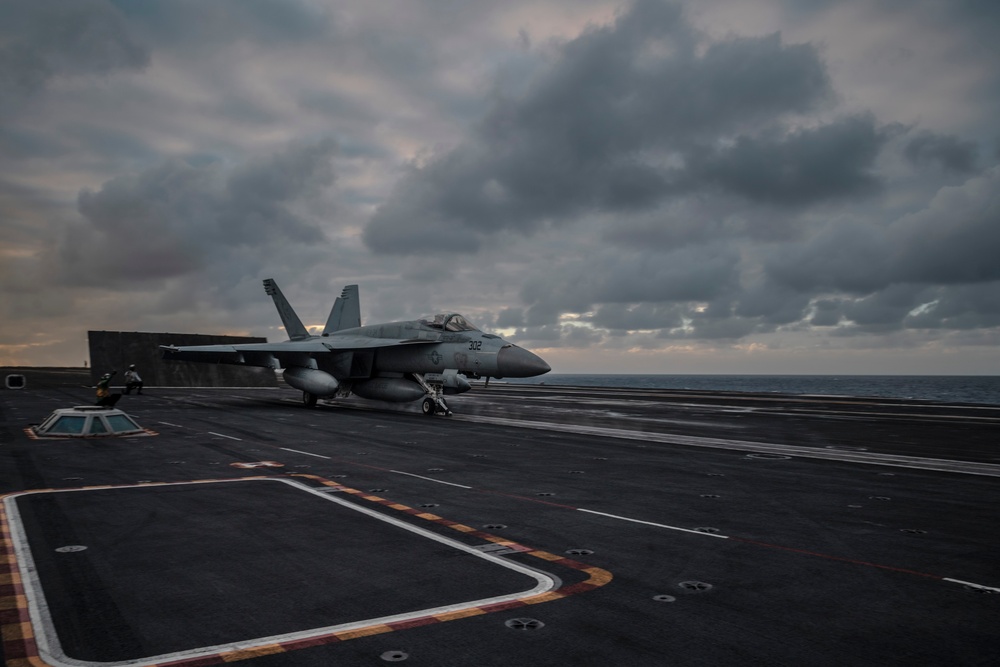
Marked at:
<point>969,583</point>
<point>169,424</point>
<point>430,479</point>
<point>225,436</point>
<point>869,458</point>
<point>650,523</point>
<point>50,649</point>
<point>299,451</point>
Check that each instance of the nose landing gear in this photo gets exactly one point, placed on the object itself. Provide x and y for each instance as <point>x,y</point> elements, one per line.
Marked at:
<point>433,403</point>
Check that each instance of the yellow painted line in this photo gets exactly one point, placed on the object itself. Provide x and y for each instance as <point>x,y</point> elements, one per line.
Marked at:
<point>23,631</point>
<point>363,632</point>
<point>248,653</point>
<point>10,577</point>
<point>30,661</point>
<point>13,602</point>
<point>598,577</point>
<point>12,631</point>
<point>464,613</point>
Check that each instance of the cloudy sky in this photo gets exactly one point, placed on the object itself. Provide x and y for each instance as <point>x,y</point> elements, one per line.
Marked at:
<point>720,186</point>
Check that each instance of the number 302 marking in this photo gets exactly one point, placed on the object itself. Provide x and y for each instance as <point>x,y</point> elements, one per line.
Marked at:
<point>476,345</point>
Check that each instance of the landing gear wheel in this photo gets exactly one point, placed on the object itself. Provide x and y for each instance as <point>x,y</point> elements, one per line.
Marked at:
<point>308,400</point>
<point>427,407</point>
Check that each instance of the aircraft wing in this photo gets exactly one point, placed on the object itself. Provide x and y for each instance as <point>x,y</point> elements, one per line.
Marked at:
<point>280,355</point>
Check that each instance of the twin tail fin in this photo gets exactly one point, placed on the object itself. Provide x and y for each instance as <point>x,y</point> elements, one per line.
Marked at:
<point>293,325</point>
<point>346,312</point>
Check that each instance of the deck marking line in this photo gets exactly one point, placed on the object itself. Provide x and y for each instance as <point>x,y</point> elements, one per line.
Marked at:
<point>225,436</point>
<point>969,583</point>
<point>868,458</point>
<point>545,588</point>
<point>660,525</point>
<point>430,479</point>
<point>650,523</point>
<point>299,451</point>
<point>530,500</point>
<point>169,424</point>
<point>842,559</point>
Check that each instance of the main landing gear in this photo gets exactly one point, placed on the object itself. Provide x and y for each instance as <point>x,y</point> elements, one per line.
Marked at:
<point>308,400</point>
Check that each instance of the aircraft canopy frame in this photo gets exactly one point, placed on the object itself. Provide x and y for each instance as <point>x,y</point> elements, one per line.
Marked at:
<point>449,322</point>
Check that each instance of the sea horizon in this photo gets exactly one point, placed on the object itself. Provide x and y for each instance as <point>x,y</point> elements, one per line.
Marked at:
<point>977,389</point>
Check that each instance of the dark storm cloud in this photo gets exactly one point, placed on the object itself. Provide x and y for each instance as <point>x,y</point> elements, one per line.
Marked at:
<point>908,306</point>
<point>175,218</point>
<point>959,307</point>
<point>623,117</point>
<point>827,313</point>
<point>634,184</point>
<point>620,317</point>
<point>843,256</point>
<point>885,309</point>
<point>947,151</point>
<point>935,268</point>
<point>714,326</point>
<point>731,315</point>
<point>509,318</point>
<point>805,166</point>
<point>206,25</point>
<point>43,39</point>
<point>955,239</point>
<point>770,304</point>
<point>629,278</point>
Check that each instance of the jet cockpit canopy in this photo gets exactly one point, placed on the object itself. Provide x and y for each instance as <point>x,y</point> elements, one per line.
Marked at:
<point>448,322</point>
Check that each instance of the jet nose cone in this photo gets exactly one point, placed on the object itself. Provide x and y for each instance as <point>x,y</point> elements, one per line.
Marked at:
<point>516,362</point>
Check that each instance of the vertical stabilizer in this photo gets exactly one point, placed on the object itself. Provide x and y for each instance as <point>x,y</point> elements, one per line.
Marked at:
<point>293,325</point>
<point>346,312</point>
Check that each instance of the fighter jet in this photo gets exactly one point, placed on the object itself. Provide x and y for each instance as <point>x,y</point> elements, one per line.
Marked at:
<point>419,360</point>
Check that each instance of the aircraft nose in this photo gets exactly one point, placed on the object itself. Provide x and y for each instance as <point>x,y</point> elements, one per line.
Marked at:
<point>516,362</point>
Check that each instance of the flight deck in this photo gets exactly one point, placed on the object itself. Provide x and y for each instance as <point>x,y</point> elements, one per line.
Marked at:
<point>539,525</point>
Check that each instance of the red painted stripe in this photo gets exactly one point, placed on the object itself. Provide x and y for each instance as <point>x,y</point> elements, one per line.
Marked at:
<point>26,648</point>
<point>837,558</point>
<point>309,642</point>
<point>531,500</point>
<point>203,661</point>
<point>413,623</point>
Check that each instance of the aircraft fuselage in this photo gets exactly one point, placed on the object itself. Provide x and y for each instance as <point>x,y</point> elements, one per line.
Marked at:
<point>471,352</point>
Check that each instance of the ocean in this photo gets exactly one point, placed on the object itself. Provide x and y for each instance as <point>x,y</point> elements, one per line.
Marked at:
<point>984,389</point>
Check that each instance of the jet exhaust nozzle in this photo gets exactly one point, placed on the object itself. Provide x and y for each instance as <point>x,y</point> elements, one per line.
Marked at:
<point>316,382</point>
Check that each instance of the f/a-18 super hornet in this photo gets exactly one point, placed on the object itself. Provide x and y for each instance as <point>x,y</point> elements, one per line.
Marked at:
<point>400,362</point>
